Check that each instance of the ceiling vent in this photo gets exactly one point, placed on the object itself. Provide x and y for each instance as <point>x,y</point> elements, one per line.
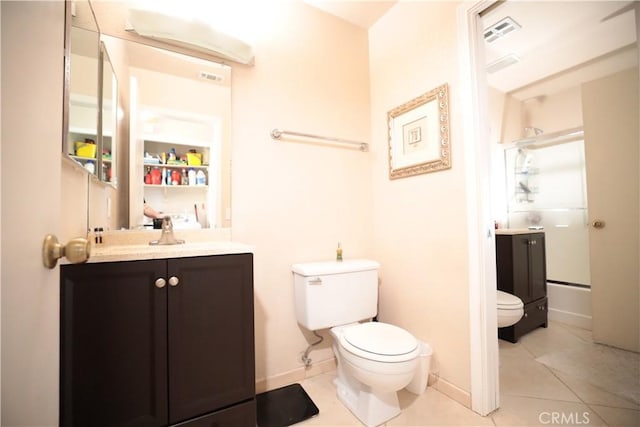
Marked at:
<point>503,62</point>
<point>500,29</point>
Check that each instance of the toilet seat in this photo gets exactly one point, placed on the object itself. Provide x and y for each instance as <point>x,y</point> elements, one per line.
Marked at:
<point>380,342</point>
<point>507,301</point>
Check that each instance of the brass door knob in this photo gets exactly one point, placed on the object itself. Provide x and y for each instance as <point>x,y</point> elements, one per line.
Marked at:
<point>598,223</point>
<point>77,250</point>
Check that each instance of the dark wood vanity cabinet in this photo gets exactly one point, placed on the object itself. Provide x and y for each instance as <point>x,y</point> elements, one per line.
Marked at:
<point>158,343</point>
<point>521,271</point>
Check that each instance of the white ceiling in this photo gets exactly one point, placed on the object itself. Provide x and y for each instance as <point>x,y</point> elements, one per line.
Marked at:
<point>572,41</point>
<point>560,44</point>
<point>361,13</point>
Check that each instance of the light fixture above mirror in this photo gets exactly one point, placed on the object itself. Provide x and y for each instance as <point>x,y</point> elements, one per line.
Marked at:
<point>192,34</point>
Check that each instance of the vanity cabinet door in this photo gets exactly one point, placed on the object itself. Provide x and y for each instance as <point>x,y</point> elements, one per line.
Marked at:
<point>521,265</point>
<point>211,335</point>
<point>113,345</point>
<point>521,271</point>
<point>537,266</point>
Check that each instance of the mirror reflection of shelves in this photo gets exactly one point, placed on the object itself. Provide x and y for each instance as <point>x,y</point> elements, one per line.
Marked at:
<point>176,177</point>
<point>178,156</point>
<point>82,148</point>
<point>83,143</point>
<point>92,111</point>
<point>171,164</point>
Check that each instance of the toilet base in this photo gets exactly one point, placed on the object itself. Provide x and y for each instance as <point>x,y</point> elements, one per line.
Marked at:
<point>371,408</point>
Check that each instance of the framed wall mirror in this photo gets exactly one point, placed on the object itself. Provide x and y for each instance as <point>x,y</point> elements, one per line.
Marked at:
<point>149,111</point>
<point>108,142</point>
<point>82,90</point>
<point>174,132</point>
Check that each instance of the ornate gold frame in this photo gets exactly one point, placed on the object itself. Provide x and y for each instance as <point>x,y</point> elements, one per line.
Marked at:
<point>418,134</point>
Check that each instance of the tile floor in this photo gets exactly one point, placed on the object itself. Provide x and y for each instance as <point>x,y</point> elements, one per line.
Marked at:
<point>531,393</point>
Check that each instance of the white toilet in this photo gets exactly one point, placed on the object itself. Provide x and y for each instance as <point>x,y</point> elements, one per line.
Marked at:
<point>375,359</point>
<point>510,309</point>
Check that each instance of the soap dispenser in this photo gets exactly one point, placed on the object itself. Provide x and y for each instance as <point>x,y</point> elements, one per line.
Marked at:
<point>339,253</point>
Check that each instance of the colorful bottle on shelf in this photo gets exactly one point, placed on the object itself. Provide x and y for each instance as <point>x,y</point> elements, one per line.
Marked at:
<point>156,176</point>
<point>147,175</point>
<point>201,178</point>
<point>90,166</point>
<point>175,177</point>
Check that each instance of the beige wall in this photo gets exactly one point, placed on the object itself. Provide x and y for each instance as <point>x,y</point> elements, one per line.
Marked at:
<point>554,112</point>
<point>295,201</point>
<point>419,223</point>
<point>551,112</point>
<point>497,111</point>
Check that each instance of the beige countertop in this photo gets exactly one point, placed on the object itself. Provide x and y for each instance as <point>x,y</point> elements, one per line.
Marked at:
<point>115,253</point>
<point>512,231</point>
<point>133,245</point>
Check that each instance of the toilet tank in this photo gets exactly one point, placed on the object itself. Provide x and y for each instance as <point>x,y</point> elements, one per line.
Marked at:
<point>335,293</point>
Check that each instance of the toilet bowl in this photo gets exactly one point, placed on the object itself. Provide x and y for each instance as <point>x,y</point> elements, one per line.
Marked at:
<point>380,355</point>
<point>375,360</point>
<point>510,309</point>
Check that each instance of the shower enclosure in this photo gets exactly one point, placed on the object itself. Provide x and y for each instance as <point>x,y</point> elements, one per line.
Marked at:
<point>545,179</point>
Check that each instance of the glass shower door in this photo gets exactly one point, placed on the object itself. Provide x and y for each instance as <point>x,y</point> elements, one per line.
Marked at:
<point>546,187</point>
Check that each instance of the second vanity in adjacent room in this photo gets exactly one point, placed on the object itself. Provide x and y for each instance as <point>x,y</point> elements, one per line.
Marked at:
<point>165,339</point>
<point>521,271</point>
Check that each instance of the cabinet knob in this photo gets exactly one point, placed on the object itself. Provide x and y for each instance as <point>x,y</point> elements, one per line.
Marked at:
<point>173,281</point>
<point>598,223</point>
<point>160,283</point>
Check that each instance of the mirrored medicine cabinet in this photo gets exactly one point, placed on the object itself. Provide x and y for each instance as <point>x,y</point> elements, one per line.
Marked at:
<point>134,112</point>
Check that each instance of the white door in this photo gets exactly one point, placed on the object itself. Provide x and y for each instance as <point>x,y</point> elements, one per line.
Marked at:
<point>32,82</point>
<point>610,113</point>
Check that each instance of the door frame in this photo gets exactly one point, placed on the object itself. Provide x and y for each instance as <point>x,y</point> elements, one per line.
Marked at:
<point>485,393</point>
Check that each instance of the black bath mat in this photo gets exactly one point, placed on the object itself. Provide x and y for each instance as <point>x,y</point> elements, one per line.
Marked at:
<point>284,406</point>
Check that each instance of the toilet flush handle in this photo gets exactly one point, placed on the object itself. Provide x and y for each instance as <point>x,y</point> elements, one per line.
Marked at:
<point>315,281</point>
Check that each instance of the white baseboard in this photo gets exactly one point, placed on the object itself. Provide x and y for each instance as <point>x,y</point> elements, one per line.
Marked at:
<point>574,319</point>
<point>295,375</point>
<point>299,374</point>
<point>461,396</point>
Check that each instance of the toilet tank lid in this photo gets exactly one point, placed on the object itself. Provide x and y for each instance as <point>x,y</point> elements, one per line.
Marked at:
<point>334,267</point>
